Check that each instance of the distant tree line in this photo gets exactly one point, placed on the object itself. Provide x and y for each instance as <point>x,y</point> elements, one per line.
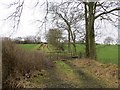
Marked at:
<point>55,38</point>
<point>25,40</point>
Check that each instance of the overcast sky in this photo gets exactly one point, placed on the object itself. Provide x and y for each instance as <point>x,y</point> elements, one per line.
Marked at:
<point>28,27</point>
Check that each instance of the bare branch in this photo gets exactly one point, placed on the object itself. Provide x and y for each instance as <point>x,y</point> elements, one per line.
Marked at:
<point>115,9</point>
<point>16,15</point>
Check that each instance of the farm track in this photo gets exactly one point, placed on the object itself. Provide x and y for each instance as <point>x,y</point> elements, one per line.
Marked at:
<point>56,82</point>
<point>87,79</point>
<point>71,77</point>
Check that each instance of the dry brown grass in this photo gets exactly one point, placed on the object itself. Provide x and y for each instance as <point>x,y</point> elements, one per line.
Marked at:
<point>107,72</point>
<point>17,62</point>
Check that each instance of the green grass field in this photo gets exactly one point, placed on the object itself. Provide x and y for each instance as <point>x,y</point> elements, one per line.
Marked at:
<point>105,53</point>
<point>29,46</point>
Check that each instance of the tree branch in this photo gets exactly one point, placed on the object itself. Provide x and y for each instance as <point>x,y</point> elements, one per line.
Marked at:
<point>115,9</point>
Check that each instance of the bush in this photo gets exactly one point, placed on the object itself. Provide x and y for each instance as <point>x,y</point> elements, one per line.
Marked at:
<point>17,61</point>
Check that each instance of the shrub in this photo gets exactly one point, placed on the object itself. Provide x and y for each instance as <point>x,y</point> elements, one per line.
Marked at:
<point>17,61</point>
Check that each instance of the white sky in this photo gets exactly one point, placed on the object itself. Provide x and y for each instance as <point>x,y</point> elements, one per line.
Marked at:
<point>27,25</point>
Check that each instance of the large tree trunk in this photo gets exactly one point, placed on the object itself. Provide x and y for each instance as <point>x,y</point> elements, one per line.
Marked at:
<point>90,37</point>
<point>91,27</point>
<point>87,33</point>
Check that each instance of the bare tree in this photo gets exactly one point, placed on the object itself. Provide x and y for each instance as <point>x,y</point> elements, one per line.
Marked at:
<point>29,40</point>
<point>18,40</point>
<point>67,16</point>
<point>93,11</point>
<point>108,40</point>
<point>38,39</point>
